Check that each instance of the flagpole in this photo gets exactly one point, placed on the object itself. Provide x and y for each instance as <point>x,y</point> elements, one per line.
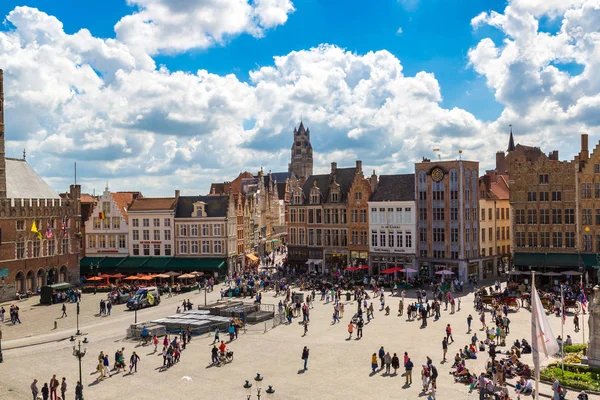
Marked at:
<point>562,329</point>
<point>536,355</point>
<point>582,310</point>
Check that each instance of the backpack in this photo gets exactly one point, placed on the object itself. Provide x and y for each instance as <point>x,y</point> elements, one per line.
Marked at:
<point>434,372</point>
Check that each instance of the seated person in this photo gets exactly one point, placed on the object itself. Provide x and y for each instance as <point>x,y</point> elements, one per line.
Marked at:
<point>459,369</point>
<point>568,341</point>
<point>481,346</point>
<point>457,360</point>
<point>473,350</point>
<point>526,349</point>
<point>526,372</point>
<point>582,396</point>
<point>517,344</point>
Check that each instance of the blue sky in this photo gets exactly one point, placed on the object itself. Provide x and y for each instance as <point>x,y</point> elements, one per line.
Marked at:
<point>469,69</point>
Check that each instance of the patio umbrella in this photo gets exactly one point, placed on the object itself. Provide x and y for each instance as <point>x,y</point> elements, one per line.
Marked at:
<point>514,273</point>
<point>575,273</point>
<point>409,270</point>
<point>186,276</point>
<point>444,272</point>
<point>94,278</point>
<point>117,276</point>
<point>391,270</point>
<point>172,273</point>
<point>352,269</point>
<point>130,278</point>
<point>551,274</point>
<point>362,267</point>
<point>162,276</point>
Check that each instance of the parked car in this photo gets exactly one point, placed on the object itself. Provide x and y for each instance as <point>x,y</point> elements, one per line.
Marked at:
<point>144,297</point>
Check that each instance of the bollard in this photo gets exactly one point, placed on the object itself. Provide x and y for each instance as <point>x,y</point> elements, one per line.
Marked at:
<point>265,327</point>
<point>55,325</point>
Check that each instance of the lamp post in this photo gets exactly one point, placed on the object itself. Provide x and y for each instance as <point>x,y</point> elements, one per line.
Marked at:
<point>1,358</point>
<point>258,381</point>
<point>78,331</point>
<point>79,354</point>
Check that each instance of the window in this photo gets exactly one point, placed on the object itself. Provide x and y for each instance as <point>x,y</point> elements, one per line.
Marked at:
<point>422,214</point>
<point>218,246</point>
<point>531,196</point>
<point>490,214</point>
<point>587,242</point>
<point>423,234</point>
<point>438,195</point>
<point>217,230</point>
<point>497,213</point>
<point>301,215</point>
<point>503,233</point>
<point>167,222</point>
<point>382,236</point>
<point>454,214</point>
<point>454,255</point>
<point>483,234</point>
<point>136,249</point>
<point>399,238</point>
<point>91,241</point>
<point>20,225</point>
<point>37,247</point>
<point>106,207</point>
<point>408,238</point>
<point>146,222</point>
<point>467,235</point>
<point>586,190</point>
<point>390,239</point>
<point>335,196</point>
<point>156,234</point>
<point>532,217</point>
<point>112,242</point>
<point>183,247</point>
<point>335,216</point>
<point>135,222</point>
<point>311,237</point>
<point>454,235</point>
<point>194,247</point>
<point>597,190</point>
<point>520,239</point>
<point>302,236</point>
<point>556,196</point>
<point>311,216</point>
<point>343,238</point>
<point>167,249</point>
<point>292,215</point>
<point>557,216</point>
<point>293,236</point>
<point>353,237</point>
<point>454,195</point>
<point>105,223</point>
<point>314,197</point>
<point>146,248</point>
<point>545,239</point>
<point>557,239</point>
<point>20,248</point>
<point>438,214</point>
<point>157,249</point>
<point>543,179</point>
<point>52,247</point>
<point>116,222</point>
<point>597,243</point>
<point>374,238</point>
<point>96,223</point>
<point>363,238</point>
<point>182,230</point>
<point>597,168</point>
<point>362,216</point>
<point>597,216</point>
<point>102,241</point>
<point>586,216</point>
<point>122,241</point>
<point>507,213</point>
<point>569,216</point>
<point>407,219</point>
<point>343,216</point>
<point>570,239</point>
<point>467,215</point>
<point>146,234</point>
<point>422,195</point>
<point>358,196</point>
<point>398,218</point>
<point>319,220</point>
<point>382,216</point>
<point>167,234</point>
<point>373,215</point>
<point>544,196</point>
<point>502,212</point>
<point>545,216</point>
<point>439,235</point>
<point>520,217</point>
<point>490,234</point>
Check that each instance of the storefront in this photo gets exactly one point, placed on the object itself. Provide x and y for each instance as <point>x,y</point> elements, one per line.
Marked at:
<point>297,258</point>
<point>359,258</point>
<point>336,261</point>
<point>488,268</point>
<point>380,262</point>
<point>472,270</point>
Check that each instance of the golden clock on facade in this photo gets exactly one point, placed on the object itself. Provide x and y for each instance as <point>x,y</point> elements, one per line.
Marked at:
<point>437,174</point>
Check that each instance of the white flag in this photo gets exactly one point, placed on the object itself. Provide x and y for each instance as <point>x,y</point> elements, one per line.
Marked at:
<point>543,342</point>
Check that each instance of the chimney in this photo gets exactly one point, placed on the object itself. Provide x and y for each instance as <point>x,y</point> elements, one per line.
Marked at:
<point>584,154</point>
<point>500,162</point>
<point>553,155</point>
<point>177,193</point>
<point>333,167</point>
<point>358,167</point>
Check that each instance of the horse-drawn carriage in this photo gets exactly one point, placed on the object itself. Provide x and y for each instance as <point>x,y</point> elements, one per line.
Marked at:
<point>548,303</point>
<point>512,302</point>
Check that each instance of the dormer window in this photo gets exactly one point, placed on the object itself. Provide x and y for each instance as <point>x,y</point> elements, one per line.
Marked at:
<point>199,209</point>
<point>335,197</point>
<point>297,198</point>
<point>314,197</point>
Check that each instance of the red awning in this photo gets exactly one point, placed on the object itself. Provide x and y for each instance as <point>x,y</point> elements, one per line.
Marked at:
<point>392,270</point>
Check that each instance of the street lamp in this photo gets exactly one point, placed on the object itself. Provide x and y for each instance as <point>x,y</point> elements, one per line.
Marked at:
<point>78,331</point>
<point>79,354</point>
<point>258,379</point>
<point>1,358</point>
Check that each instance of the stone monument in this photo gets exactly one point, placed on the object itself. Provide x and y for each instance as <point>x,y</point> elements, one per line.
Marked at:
<point>593,350</point>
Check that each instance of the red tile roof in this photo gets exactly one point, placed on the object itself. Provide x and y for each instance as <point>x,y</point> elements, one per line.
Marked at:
<point>153,204</point>
<point>123,200</point>
<point>86,198</point>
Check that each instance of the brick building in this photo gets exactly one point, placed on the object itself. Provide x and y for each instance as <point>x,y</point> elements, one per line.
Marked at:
<point>447,195</point>
<point>358,216</point>
<point>29,262</point>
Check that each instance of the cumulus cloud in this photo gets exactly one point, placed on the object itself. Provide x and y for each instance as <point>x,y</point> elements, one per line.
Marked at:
<point>400,31</point>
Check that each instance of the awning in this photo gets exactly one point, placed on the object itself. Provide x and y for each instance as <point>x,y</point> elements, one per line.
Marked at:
<point>315,262</point>
<point>196,264</point>
<point>555,260</point>
<point>252,257</point>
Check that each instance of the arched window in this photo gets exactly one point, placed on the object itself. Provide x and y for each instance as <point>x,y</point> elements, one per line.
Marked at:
<point>20,282</point>
<point>30,286</point>
<point>63,274</point>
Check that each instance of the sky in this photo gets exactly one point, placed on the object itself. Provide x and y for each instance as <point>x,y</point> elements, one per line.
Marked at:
<point>158,95</point>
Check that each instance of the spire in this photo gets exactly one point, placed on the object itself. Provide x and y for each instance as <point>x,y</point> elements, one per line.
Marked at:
<point>511,141</point>
<point>301,127</point>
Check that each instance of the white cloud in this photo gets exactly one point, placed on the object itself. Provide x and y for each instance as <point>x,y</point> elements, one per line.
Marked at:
<point>176,26</point>
<point>400,31</point>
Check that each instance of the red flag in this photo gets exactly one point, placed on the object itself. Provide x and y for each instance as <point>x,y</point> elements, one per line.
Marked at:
<point>101,215</point>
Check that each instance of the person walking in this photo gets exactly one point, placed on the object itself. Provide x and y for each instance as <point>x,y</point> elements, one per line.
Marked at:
<point>408,367</point>
<point>482,320</point>
<point>350,330</point>
<point>395,363</point>
<point>388,362</point>
<point>53,388</point>
<point>381,355</point>
<point>305,353</point>
<point>469,320</point>
<point>63,388</point>
<point>374,362</point>
<point>425,378</point>
<point>359,328</point>
<point>400,307</point>
<point>444,348</point>
<point>133,361</point>
<point>34,389</point>
<point>576,322</point>
<point>45,391</point>
<point>79,391</point>
<point>64,311</point>
<point>482,388</point>
<point>449,333</point>
<point>155,341</point>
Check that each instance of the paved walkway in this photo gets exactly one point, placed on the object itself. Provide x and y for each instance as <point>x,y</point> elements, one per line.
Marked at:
<point>337,368</point>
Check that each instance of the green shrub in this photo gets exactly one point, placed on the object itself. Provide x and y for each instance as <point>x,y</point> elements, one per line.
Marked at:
<point>579,377</point>
<point>574,348</point>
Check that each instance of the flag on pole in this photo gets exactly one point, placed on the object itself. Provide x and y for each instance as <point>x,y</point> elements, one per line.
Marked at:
<point>101,215</point>
<point>49,233</point>
<point>582,297</point>
<point>64,226</point>
<point>543,342</point>
<point>34,229</point>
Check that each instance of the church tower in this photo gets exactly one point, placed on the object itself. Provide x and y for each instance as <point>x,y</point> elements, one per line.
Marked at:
<point>2,155</point>
<point>302,156</point>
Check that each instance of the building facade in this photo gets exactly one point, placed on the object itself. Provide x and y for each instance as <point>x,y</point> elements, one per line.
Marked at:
<point>447,196</point>
<point>392,223</point>
<point>107,229</point>
<point>151,224</point>
<point>30,260</point>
